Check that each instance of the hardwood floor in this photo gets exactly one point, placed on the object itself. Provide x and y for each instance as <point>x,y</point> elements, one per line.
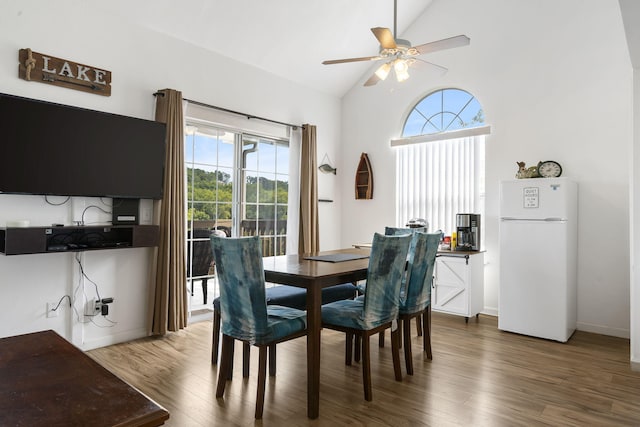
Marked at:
<point>479,376</point>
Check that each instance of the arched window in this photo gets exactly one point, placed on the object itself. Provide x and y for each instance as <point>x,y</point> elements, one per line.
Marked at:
<point>440,160</point>
<point>445,110</point>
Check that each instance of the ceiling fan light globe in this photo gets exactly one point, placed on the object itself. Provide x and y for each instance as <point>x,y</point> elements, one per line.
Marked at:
<point>402,76</point>
<point>383,71</point>
<point>400,66</point>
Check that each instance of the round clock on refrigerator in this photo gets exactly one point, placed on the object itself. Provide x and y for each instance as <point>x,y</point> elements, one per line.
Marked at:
<point>549,169</point>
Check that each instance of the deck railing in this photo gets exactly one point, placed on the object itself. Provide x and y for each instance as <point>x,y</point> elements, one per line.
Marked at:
<point>272,233</point>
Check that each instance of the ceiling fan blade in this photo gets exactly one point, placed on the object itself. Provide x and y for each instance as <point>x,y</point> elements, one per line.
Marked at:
<point>342,61</point>
<point>451,42</point>
<point>372,80</point>
<point>431,64</point>
<point>385,37</point>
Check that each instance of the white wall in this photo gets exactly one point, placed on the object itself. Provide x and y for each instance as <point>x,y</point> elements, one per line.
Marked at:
<point>141,62</point>
<point>630,10</point>
<point>635,229</point>
<point>555,82</point>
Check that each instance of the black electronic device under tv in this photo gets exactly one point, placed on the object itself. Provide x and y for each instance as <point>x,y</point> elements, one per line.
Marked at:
<point>54,149</point>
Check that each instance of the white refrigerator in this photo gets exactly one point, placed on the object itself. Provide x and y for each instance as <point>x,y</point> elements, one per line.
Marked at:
<point>538,257</point>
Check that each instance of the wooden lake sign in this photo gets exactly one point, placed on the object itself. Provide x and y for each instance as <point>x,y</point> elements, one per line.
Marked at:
<point>39,67</point>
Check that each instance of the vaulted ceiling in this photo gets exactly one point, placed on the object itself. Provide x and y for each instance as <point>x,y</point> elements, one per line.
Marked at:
<point>291,38</point>
<point>288,38</point>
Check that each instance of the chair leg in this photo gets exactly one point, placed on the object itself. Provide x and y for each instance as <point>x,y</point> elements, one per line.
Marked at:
<point>381,339</point>
<point>246,358</point>
<point>216,337</point>
<point>395,352</point>
<point>231,353</point>
<point>204,290</point>
<point>216,341</point>
<point>366,368</point>
<point>223,368</point>
<point>408,357</point>
<point>419,326</point>
<point>426,320</point>
<point>357,348</point>
<point>262,377</point>
<point>272,360</point>
<point>348,351</point>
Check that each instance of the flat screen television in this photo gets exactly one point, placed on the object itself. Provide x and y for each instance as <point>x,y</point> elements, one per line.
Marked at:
<point>54,149</point>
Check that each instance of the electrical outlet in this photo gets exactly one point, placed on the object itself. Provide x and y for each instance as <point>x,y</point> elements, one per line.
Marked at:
<point>92,307</point>
<point>50,309</point>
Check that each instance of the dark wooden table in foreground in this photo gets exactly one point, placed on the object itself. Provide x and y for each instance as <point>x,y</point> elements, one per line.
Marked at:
<point>47,381</point>
<point>312,275</point>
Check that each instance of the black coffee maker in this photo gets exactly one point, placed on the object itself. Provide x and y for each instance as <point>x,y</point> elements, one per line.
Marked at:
<point>468,232</point>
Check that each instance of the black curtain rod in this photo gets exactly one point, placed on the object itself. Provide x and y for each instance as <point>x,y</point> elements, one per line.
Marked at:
<point>248,116</point>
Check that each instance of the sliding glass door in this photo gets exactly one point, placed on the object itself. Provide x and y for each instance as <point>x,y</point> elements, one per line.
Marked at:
<point>265,193</point>
<point>237,185</point>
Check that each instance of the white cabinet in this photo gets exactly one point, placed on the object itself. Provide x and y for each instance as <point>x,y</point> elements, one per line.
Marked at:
<point>458,285</point>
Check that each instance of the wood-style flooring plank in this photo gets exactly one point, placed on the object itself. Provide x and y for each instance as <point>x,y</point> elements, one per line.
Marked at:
<point>479,376</point>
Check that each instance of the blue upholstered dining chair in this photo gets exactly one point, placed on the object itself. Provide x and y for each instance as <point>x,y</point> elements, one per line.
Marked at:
<point>415,297</point>
<point>379,308</point>
<point>394,231</point>
<point>288,296</point>
<point>245,315</point>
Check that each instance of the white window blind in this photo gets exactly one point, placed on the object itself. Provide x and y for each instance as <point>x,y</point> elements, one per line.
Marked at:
<point>436,180</point>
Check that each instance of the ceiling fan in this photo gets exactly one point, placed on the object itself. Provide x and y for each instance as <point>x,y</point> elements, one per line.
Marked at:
<point>399,54</point>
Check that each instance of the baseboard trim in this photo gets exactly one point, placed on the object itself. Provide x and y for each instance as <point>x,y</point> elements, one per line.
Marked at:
<point>581,326</point>
<point>491,311</point>
<point>603,330</point>
<point>124,336</point>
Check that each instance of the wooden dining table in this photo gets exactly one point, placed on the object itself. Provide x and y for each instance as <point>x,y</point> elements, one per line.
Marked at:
<point>314,275</point>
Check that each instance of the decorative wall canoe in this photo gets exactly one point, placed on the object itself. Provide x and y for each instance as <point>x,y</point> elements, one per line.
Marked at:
<point>364,178</point>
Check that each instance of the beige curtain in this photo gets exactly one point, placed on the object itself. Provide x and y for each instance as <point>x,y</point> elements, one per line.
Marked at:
<point>309,236</point>
<point>168,310</point>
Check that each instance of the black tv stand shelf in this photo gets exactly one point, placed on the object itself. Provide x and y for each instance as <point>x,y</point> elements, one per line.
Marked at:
<point>39,240</point>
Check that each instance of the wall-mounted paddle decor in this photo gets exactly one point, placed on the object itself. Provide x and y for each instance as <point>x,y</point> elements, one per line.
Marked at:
<point>39,67</point>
